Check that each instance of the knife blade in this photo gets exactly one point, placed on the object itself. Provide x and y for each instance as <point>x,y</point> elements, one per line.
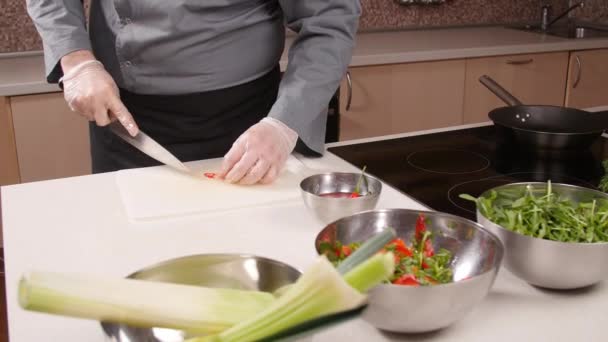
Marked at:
<point>149,146</point>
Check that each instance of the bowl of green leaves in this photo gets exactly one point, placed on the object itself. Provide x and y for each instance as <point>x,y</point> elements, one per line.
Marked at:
<point>555,235</point>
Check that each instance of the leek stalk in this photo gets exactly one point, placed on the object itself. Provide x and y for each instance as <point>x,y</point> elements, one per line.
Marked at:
<point>320,291</point>
<point>195,309</point>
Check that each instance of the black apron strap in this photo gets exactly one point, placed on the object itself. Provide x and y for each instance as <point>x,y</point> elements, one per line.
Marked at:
<point>193,126</point>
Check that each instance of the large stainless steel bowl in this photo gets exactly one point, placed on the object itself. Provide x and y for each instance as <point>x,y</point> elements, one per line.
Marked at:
<point>477,256</point>
<point>246,272</point>
<point>327,209</point>
<point>551,264</point>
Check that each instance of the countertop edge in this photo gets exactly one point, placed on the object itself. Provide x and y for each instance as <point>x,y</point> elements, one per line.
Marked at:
<point>499,50</point>
<point>29,88</point>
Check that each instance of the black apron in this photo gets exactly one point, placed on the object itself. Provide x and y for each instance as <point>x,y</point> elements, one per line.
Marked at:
<point>193,126</point>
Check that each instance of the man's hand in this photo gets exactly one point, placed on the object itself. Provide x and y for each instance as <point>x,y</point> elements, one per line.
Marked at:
<point>259,154</point>
<point>91,92</point>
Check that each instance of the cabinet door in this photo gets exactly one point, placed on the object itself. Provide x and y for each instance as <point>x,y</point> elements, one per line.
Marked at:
<point>52,142</point>
<point>588,79</point>
<point>365,104</point>
<point>536,79</point>
<point>9,169</point>
<point>400,98</point>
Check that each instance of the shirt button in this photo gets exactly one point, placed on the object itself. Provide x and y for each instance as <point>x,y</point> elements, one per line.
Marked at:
<point>127,21</point>
<point>127,64</point>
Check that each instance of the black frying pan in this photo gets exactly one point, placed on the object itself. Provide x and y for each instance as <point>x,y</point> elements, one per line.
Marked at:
<point>546,127</point>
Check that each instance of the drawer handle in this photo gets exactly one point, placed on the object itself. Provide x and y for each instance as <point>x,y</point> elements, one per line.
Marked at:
<point>349,90</point>
<point>520,61</point>
<point>579,72</point>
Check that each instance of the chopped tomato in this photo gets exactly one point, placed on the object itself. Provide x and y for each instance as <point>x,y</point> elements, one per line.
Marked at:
<point>404,250</point>
<point>209,174</point>
<point>420,227</point>
<point>401,248</point>
<point>429,251</point>
<point>346,250</point>
<point>425,265</point>
<point>398,242</point>
<point>407,279</point>
<point>355,195</point>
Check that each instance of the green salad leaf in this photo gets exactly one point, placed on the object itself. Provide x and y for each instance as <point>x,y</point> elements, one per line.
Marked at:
<point>545,214</point>
<point>604,181</point>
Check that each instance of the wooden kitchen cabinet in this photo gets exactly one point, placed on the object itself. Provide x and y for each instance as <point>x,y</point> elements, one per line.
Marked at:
<point>397,98</point>
<point>9,167</point>
<point>52,142</point>
<point>535,79</point>
<point>587,79</point>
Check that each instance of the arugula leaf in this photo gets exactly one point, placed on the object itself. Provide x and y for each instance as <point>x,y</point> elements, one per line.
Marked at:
<point>604,181</point>
<point>546,214</point>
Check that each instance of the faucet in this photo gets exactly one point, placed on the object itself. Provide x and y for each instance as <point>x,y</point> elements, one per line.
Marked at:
<point>545,23</point>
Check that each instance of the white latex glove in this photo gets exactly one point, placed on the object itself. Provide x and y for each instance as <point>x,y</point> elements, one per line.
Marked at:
<point>259,154</point>
<point>91,92</point>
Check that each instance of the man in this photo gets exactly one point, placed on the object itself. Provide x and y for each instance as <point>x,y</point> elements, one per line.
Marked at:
<point>200,76</point>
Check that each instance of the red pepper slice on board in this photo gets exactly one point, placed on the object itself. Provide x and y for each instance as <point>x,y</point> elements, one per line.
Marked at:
<point>209,175</point>
<point>407,279</point>
<point>420,227</point>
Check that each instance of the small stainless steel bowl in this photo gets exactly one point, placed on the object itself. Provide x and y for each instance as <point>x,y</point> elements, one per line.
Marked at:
<point>546,263</point>
<point>236,271</point>
<point>327,209</point>
<point>477,255</point>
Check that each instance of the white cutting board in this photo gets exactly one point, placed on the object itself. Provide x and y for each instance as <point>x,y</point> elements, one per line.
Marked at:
<point>160,192</point>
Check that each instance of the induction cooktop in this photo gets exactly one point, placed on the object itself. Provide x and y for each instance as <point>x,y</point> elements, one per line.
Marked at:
<point>436,168</point>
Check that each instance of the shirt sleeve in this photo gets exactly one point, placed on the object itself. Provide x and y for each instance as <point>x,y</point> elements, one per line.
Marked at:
<point>317,61</point>
<point>62,26</point>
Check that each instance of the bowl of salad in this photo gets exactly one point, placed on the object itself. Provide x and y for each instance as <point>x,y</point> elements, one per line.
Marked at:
<point>446,265</point>
<point>555,235</point>
<point>330,196</point>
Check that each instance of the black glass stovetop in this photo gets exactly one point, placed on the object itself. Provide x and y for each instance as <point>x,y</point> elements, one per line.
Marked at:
<point>435,168</point>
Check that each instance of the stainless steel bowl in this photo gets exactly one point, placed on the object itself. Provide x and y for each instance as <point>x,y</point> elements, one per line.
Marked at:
<point>551,264</point>
<point>477,254</point>
<point>327,209</point>
<point>247,272</point>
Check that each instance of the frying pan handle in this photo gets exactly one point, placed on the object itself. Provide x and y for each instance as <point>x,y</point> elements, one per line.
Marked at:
<point>499,91</point>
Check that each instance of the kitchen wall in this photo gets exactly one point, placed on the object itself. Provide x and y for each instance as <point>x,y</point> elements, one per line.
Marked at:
<point>386,14</point>
<point>594,11</point>
<point>17,33</point>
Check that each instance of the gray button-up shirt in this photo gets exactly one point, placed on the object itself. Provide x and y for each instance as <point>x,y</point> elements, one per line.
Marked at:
<point>187,46</point>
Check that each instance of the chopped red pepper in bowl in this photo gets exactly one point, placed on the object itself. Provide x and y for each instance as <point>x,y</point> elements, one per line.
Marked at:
<point>417,263</point>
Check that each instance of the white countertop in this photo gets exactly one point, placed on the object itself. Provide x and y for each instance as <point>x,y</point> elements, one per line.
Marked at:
<point>25,75</point>
<point>79,225</point>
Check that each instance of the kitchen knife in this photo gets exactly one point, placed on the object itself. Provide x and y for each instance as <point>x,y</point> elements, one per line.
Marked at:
<point>149,146</point>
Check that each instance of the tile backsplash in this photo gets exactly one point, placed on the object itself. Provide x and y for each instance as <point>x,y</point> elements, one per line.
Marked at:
<point>17,33</point>
<point>387,14</point>
<point>594,11</point>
